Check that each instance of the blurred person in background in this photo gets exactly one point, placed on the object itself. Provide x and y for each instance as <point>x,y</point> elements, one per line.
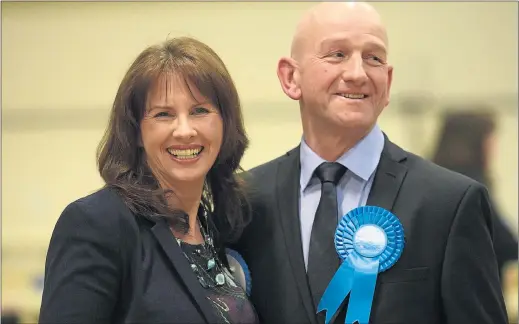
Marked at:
<point>10,317</point>
<point>146,248</point>
<point>466,144</point>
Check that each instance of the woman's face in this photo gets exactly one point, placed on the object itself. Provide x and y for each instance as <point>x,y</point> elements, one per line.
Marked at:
<point>489,149</point>
<point>181,132</point>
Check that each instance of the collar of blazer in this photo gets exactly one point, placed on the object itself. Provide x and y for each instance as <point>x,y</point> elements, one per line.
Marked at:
<point>171,248</point>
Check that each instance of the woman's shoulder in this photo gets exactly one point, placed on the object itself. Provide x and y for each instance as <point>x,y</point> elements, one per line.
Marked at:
<point>106,197</point>
<point>102,210</point>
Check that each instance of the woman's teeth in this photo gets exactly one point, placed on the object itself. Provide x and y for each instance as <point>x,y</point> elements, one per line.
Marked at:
<point>185,154</point>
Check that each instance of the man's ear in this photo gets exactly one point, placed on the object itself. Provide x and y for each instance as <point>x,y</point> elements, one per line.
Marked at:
<point>389,82</point>
<point>288,75</point>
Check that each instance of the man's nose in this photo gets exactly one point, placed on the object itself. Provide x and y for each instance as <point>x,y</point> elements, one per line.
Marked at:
<point>354,70</point>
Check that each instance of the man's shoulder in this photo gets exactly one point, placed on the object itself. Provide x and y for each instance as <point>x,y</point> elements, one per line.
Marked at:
<point>433,176</point>
<point>261,180</point>
<point>268,169</point>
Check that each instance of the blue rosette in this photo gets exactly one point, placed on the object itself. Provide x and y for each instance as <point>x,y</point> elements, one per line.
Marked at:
<point>369,240</point>
<point>239,269</point>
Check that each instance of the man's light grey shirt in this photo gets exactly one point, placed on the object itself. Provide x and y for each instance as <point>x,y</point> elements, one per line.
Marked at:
<point>352,190</point>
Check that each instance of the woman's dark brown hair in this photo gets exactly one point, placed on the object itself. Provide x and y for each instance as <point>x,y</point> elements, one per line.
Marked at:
<point>461,142</point>
<point>121,160</point>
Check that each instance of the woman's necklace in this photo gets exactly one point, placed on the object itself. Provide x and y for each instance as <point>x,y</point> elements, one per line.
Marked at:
<point>204,261</point>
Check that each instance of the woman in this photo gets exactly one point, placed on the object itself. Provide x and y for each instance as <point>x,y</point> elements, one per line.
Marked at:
<point>466,146</point>
<point>145,248</point>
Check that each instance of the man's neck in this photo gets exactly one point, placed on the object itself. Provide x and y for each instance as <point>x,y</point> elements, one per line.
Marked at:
<point>331,145</point>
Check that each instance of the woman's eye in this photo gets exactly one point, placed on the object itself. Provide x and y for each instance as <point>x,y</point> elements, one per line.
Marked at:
<point>200,111</point>
<point>162,114</point>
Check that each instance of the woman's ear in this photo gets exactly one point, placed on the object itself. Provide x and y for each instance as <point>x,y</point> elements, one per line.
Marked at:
<point>288,75</point>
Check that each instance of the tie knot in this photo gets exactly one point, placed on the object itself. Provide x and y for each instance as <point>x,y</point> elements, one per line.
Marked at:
<point>330,172</point>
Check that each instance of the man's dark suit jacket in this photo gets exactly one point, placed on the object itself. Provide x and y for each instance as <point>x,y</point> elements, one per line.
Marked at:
<point>447,272</point>
<point>105,265</point>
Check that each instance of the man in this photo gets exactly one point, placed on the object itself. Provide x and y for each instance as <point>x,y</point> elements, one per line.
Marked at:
<point>338,71</point>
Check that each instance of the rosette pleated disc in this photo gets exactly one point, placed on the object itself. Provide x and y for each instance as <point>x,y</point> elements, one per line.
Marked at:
<point>371,215</point>
<point>241,270</point>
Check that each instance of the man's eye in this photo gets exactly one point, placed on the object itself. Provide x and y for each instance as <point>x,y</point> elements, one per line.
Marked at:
<point>338,55</point>
<point>376,60</point>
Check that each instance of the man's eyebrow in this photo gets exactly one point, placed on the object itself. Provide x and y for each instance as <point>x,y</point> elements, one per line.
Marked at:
<point>372,45</point>
<point>377,47</point>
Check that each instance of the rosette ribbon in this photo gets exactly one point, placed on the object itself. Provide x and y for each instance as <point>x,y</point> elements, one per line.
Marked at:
<point>369,240</point>
<point>239,269</point>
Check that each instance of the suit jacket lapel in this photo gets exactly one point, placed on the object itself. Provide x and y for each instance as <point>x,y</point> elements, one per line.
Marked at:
<point>174,253</point>
<point>389,176</point>
<point>287,197</point>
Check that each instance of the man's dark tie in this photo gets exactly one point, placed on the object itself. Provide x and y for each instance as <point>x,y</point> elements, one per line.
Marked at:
<point>323,260</point>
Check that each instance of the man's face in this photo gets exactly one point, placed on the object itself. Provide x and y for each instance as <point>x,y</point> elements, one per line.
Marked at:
<point>344,78</point>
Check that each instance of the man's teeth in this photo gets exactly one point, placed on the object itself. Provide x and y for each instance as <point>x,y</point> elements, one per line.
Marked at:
<point>353,96</point>
<point>185,154</point>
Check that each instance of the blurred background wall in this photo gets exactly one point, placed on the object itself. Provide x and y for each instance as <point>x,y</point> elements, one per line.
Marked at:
<point>62,64</point>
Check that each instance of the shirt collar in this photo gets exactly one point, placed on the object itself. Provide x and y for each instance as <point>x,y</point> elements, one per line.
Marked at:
<point>361,160</point>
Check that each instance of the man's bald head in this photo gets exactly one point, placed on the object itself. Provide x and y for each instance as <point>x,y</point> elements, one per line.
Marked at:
<point>339,73</point>
<point>327,17</point>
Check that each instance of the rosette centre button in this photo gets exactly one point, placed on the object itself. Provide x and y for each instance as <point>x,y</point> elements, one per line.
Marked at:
<point>370,241</point>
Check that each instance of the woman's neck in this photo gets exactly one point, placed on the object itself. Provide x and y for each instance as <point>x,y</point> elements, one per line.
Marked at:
<point>188,199</point>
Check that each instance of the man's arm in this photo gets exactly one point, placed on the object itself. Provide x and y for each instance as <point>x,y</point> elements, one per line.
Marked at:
<point>471,288</point>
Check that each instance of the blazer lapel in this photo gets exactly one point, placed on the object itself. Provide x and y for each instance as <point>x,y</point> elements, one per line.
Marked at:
<point>389,177</point>
<point>168,243</point>
<point>287,197</point>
